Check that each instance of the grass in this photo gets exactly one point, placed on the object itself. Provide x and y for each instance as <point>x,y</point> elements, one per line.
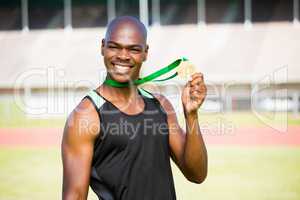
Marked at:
<point>29,174</point>
<point>241,173</point>
<point>13,117</point>
<point>234,173</point>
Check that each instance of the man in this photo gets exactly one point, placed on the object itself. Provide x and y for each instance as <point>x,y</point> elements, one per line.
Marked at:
<point>119,141</point>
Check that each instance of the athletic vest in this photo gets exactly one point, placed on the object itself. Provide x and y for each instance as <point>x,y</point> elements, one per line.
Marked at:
<point>131,158</point>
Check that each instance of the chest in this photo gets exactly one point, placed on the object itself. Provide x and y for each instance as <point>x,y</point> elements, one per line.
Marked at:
<point>146,130</point>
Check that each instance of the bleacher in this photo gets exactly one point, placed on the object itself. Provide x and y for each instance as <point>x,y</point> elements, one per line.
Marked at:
<point>223,53</point>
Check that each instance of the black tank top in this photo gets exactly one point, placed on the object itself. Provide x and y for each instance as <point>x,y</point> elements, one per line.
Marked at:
<point>131,158</point>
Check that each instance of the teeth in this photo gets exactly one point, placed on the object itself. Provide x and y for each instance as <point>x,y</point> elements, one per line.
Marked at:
<point>122,69</point>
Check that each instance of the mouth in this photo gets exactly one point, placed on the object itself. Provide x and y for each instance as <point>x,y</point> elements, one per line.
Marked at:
<point>122,68</point>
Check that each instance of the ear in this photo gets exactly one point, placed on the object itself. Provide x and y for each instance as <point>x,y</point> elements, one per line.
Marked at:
<point>146,52</point>
<point>102,46</point>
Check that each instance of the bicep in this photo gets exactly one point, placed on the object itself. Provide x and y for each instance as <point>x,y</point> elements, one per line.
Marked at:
<point>76,165</point>
<point>77,154</point>
<point>176,139</point>
<point>176,134</point>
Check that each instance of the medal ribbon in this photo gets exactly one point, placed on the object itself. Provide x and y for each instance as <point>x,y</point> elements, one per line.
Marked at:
<point>150,77</point>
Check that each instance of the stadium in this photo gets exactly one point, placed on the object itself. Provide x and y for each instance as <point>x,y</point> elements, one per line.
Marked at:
<point>247,50</point>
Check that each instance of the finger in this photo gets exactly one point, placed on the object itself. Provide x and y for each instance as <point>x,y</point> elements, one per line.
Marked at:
<point>201,87</point>
<point>197,97</point>
<point>197,80</point>
<point>195,93</point>
<point>192,92</point>
<point>200,94</point>
<point>195,89</point>
<point>188,84</point>
<point>198,74</point>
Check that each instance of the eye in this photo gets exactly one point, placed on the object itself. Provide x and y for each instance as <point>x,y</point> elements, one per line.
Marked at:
<point>135,50</point>
<point>112,47</point>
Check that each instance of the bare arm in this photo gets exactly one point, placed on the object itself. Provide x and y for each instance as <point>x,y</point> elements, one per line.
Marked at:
<point>80,132</point>
<point>187,148</point>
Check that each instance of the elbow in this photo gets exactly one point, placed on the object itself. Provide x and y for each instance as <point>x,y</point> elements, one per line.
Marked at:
<point>69,196</point>
<point>72,196</point>
<point>198,177</point>
<point>195,172</point>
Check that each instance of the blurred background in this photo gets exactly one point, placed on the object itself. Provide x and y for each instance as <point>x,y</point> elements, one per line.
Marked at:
<point>246,49</point>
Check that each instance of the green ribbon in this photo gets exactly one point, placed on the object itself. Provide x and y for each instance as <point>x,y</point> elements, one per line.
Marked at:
<point>150,77</point>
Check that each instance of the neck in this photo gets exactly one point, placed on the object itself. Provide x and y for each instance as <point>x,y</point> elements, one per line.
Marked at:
<point>124,94</point>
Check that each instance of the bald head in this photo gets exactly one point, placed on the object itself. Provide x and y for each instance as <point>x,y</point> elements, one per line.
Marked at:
<point>124,48</point>
<point>126,24</point>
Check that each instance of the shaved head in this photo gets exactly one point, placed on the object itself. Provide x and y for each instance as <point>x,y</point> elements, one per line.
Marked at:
<point>126,23</point>
<point>124,48</point>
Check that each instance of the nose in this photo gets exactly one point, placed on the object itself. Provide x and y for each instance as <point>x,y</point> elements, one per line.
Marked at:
<point>123,54</point>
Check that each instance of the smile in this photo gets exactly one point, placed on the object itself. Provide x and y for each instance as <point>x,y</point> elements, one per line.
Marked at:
<point>122,69</point>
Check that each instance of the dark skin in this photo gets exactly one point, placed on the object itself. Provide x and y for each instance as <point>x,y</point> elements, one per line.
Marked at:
<point>125,46</point>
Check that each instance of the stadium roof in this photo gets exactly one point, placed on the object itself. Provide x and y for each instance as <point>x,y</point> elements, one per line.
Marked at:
<point>224,53</point>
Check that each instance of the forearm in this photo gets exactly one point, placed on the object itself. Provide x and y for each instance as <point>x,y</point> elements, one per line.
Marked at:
<point>74,193</point>
<point>72,196</point>
<point>195,154</point>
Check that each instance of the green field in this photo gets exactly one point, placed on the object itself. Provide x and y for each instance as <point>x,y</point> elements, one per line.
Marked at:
<point>14,117</point>
<point>234,174</point>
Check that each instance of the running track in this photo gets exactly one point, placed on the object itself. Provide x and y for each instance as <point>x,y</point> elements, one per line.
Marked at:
<point>245,136</point>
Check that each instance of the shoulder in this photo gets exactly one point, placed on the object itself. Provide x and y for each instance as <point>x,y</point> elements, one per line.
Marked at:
<point>152,95</point>
<point>164,102</point>
<point>83,121</point>
<point>85,109</point>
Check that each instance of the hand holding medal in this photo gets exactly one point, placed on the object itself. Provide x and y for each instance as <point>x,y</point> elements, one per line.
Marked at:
<point>194,91</point>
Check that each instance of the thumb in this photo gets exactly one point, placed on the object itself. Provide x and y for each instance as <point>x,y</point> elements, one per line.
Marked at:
<point>186,91</point>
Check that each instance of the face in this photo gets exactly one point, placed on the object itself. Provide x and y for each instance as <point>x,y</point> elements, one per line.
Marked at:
<point>124,50</point>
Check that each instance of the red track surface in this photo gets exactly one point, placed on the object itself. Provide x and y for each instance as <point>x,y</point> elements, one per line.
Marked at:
<point>40,137</point>
<point>245,136</point>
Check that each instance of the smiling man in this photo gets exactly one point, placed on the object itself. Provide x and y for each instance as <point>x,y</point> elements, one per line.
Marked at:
<point>119,141</point>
